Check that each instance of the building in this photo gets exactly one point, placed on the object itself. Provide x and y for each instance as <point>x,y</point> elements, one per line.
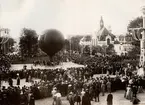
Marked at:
<point>104,36</point>
<point>123,44</point>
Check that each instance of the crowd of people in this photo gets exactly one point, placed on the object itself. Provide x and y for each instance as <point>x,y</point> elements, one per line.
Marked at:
<point>79,85</point>
<point>5,62</point>
<point>46,63</point>
<point>78,82</point>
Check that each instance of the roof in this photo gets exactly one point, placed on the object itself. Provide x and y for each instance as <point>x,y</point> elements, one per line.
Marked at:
<point>103,32</point>
<point>116,42</point>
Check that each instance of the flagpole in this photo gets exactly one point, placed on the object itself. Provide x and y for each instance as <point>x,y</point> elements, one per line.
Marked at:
<point>142,46</point>
<point>142,40</point>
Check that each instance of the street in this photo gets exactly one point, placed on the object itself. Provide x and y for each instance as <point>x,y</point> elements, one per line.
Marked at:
<point>118,99</point>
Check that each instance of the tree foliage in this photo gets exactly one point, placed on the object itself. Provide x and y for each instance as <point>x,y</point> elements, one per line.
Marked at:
<point>10,45</point>
<point>75,46</point>
<point>87,50</point>
<point>5,62</point>
<point>97,49</point>
<point>135,23</point>
<point>67,45</point>
<point>110,49</point>
<point>7,46</point>
<point>28,43</point>
<point>134,53</point>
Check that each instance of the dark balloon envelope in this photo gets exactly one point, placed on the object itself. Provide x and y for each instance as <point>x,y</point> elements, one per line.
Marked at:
<point>51,42</point>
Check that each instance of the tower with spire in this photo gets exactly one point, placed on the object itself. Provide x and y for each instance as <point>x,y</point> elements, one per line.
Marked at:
<point>101,23</point>
<point>104,35</point>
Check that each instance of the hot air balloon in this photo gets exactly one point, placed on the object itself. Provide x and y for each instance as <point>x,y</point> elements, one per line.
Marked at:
<point>51,42</point>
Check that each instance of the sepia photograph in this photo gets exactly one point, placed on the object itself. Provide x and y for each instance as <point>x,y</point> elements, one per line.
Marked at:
<point>72,52</point>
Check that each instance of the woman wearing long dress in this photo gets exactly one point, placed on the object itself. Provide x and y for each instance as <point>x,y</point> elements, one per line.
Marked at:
<point>58,98</point>
<point>29,78</point>
<point>140,72</point>
<point>53,92</point>
<point>129,93</point>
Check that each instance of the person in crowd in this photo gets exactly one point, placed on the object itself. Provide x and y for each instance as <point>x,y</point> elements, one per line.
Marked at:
<point>86,99</point>
<point>103,88</point>
<point>134,90</point>
<point>125,92</point>
<point>135,100</point>
<point>71,98</point>
<point>53,92</point>
<point>108,86</point>
<point>78,98</point>
<point>140,84</point>
<point>18,79</point>
<point>110,99</point>
<point>23,99</point>
<point>1,98</point>
<point>129,92</point>
<point>29,78</point>
<point>31,99</point>
<point>82,92</point>
<point>97,93</point>
<point>58,98</point>
<point>5,100</point>
<point>10,81</point>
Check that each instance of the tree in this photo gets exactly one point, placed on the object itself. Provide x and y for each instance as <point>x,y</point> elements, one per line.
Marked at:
<point>10,45</point>
<point>75,40</point>
<point>7,46</point>
<point>97,49</point>
<point>86,50</point>
<point>28,43</point>
<point>67,45</point>
<point>135,23</point>
<point>134,52</point>
<point>110,49</point>
<point>104,47</point>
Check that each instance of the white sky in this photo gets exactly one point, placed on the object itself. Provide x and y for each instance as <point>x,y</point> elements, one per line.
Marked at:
<point>68,16</point>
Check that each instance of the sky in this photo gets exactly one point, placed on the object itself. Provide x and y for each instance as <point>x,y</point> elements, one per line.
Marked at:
<point>71,17</point>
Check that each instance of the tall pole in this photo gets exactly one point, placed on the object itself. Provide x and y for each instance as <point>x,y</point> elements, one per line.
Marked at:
<point>70,48</point>
<point>91,50</point>
<point>142,42</point>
